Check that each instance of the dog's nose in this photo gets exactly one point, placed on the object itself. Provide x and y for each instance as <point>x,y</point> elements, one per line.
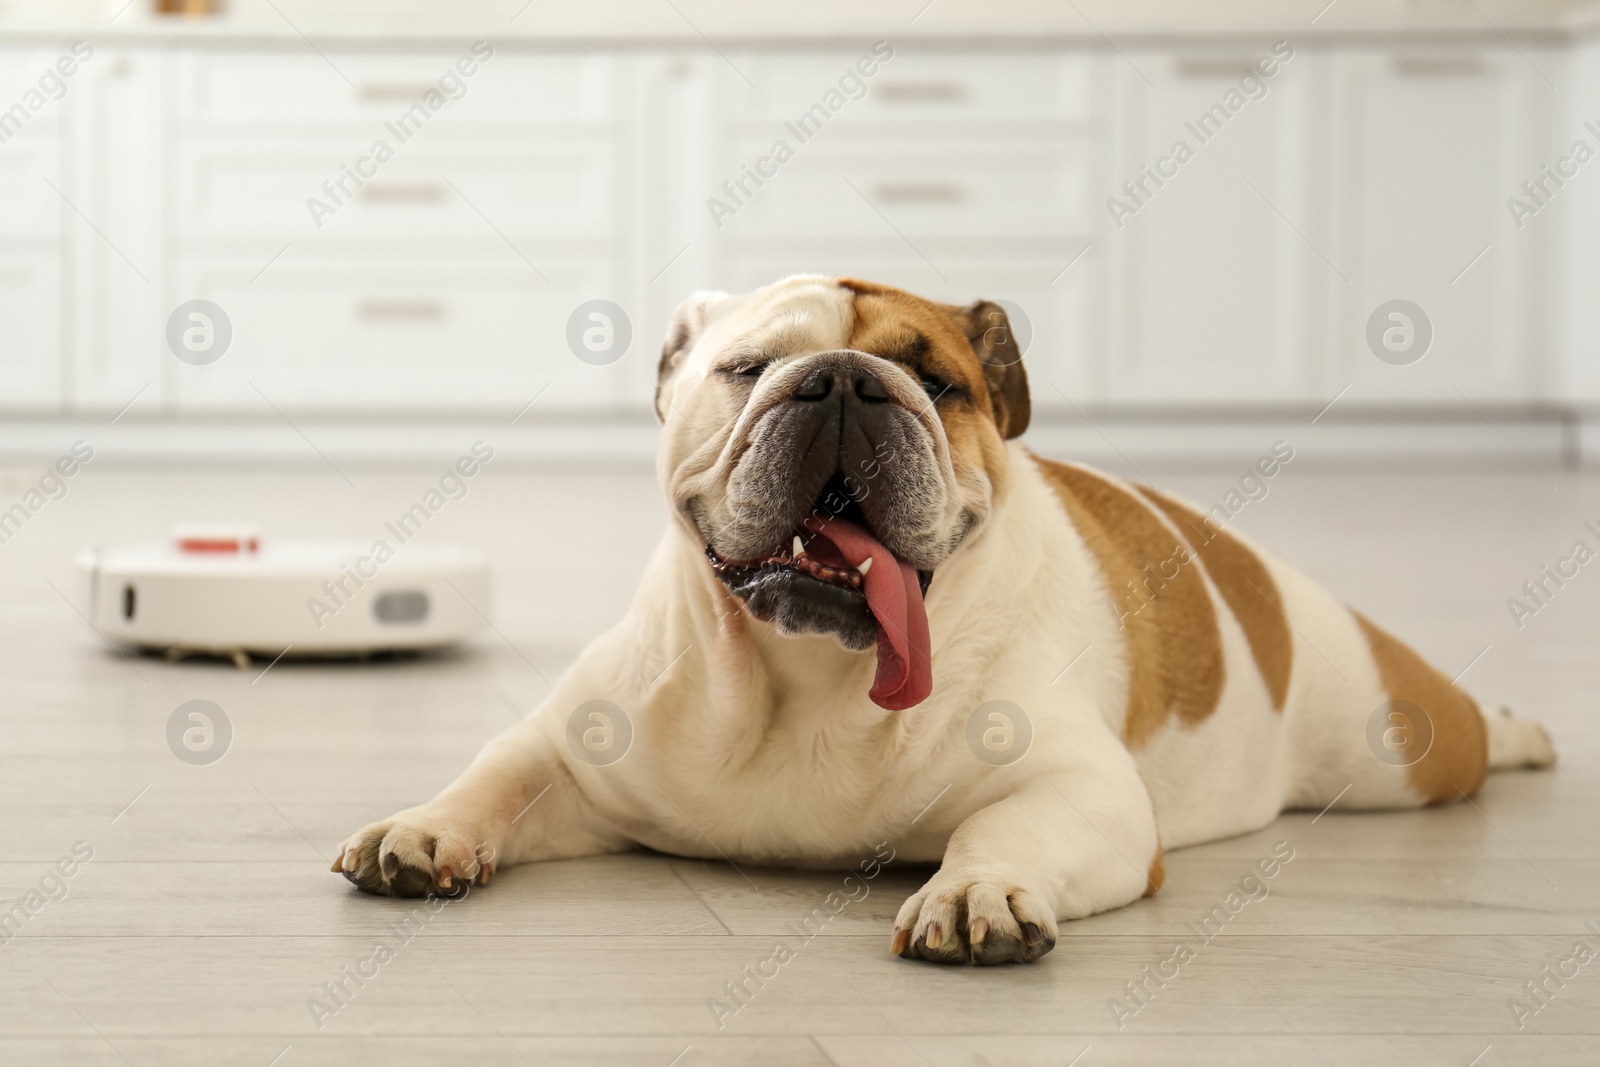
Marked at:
<point>825,383</point>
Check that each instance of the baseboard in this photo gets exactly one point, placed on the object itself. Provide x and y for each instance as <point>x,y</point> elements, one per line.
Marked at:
<point>1117,439</point>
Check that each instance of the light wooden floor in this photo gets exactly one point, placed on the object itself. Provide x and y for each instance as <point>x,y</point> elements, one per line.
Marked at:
<point>208,918</point>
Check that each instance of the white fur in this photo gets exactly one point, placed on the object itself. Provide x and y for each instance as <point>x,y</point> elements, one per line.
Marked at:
<point>757,747</point>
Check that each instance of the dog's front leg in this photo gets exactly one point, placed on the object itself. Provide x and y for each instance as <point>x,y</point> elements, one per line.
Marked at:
<point>1059,847</point>
<point>515,803</point>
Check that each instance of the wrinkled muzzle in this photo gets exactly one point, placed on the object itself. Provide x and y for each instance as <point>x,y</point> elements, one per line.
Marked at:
<point>836,510</point>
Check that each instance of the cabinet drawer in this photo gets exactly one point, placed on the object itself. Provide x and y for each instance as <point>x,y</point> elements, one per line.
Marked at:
<point>304,88</point>
<point>32,91</point>
<point>942,88</point>
<point>28,206</point>
<point>478,333</point>
<point>30,370</point>
<point>242,188</point>
<point>960,190</point>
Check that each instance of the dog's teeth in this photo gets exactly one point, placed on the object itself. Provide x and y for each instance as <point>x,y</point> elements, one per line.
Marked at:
<point>864,566</point>
<point>799,549</point>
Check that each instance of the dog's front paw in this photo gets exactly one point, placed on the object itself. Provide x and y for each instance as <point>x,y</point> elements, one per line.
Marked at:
<point>955,919</point>
<point>417,853</point>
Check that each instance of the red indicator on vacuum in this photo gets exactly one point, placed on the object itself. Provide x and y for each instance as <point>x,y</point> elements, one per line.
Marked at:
<point>225,538</point>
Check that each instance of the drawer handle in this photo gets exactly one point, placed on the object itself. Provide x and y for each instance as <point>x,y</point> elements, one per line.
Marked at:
<point>1440,66</point>
<point>389,92</point>
<point>393,310</point>
<point>919,193</point>
<point>402,192</point>
<point>1216,68</point>
<point>922,92</point>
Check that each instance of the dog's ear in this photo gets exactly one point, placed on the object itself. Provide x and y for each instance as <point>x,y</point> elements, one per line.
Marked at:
<point>989,332</point>
<point>687,324</point>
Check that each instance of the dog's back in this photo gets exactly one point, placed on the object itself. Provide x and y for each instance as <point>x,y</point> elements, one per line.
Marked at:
<point>1253,690</point>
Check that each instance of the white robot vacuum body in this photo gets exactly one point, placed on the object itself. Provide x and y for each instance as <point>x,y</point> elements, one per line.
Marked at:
<point>221,589</point>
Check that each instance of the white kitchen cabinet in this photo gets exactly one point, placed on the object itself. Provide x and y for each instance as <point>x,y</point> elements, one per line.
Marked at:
<point>546,190</point>
<point>114,239</point>
<point>1365,173</point>
<point>1011,191</point>
<point>1428,144</point>
<point>480,333</point>
<point>670,245</point>
<point>442,280</point>
<point>30,365</point>
<point>1214,267</point>
<point>1573,223</point>
<point>29,164</point>
<point>916,87</point>
<point>30,213</point>
<point>293,91</point>
<point>958,176</point>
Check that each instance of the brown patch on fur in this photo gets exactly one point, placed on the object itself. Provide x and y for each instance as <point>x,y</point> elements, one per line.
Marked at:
<point>929,340</point>
<point>984,366</point>
<point>1247,586</point>
<point>1175,663</point>
<point>1157,876</point>
<point>1458,759</point>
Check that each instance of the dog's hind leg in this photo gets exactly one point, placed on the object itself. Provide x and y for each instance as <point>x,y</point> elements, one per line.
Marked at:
<point>1377,726</point>
<point>1516,743</point>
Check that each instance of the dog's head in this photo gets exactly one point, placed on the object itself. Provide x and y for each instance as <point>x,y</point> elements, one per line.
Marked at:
<point>832,443</point>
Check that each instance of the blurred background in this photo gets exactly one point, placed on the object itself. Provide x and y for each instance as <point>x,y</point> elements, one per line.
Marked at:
<point>373,301</point>
<point>284,262</point>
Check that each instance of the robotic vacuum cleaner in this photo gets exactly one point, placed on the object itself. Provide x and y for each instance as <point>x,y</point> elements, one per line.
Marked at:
<point>221,589</point>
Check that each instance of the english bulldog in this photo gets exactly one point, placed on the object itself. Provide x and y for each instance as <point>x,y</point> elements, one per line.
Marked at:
<point>877,617</point>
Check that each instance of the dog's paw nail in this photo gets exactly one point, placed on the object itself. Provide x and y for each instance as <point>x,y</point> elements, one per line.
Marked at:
<point>1031,934</point>
<point>483,875</point>
<point>901,942</point>
<point>934,937</point>
<point>977,931</point>
<point>390,865</point>
<point>338,864</point>
<point>446,878</point>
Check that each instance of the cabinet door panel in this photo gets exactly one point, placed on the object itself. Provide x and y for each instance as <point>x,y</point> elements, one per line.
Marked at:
<point>361,336</point>
<point>1429,148</point>
<point>30,213</point>
<point>1212,265</point>
<point>30,365</point>
<point>118,245</point>
<point>29,165</point>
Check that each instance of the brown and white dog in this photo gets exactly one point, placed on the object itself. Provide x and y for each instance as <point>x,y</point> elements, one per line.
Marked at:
<point>870,588</point>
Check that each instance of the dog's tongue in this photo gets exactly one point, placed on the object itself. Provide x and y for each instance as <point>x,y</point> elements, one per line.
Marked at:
<point>905,671</point>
